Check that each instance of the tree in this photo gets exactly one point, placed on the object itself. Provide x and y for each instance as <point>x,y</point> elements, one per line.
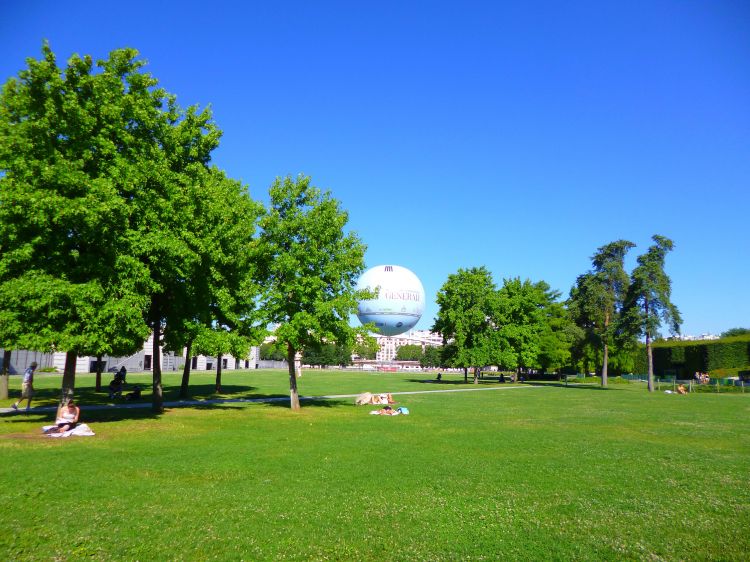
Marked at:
<point>735,332</point>
<point>467,304</point>
<point>409,353</point>
<point>557,339</point>
<point>432,356</point>
<point>597,298</point>
<point>218,303</point>
<point>64,284</point>
<point>648,303</point>
<point>366,347</point>
<point>310,267</point>
<point>272,351</point>
<point>525,310</point>
<point>119,180</point>
<point>326,354</point>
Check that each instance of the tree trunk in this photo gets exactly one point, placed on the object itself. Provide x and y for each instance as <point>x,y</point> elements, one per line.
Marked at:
<point>69,378</point>
<point>5,376</point>
<point>649,354</point>
<point>98,373</point>
<point>186,370</point>
<point>605,364</point>
<point>476,375</point>
<point>218,373</point>
<point>466,374</point>
<point>293,394</point>
<point>157,398</point>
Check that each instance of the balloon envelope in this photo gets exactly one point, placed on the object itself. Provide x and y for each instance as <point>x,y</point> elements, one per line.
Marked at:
<point>400,301</point>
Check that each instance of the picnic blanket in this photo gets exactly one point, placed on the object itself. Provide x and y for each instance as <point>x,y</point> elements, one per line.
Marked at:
<point>81,430</point>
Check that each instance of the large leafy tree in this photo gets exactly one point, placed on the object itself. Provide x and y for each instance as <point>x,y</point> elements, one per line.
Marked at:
<point>218,309</point>
<point>411,352</point>
<point>596,300</point>
<point>117,223</point>
<point>467,304</point>
<point>648,302</point>
<point>64,281</point>
<point>310,266</point>
<point>557,339</point>
<point>326,354</point>
<point>432,356</point>
<point>366,347</point>
<point>525,311</point>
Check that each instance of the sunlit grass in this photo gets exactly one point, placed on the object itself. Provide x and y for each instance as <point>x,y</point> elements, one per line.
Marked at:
<point>531,473</point>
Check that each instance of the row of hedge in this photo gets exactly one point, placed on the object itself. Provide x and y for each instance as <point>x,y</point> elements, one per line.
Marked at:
<point>685,358</point>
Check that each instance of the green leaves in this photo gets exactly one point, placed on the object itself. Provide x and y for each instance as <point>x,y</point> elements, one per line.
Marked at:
<point>648,303</point>
<point>112,223</point>
<point>308,266</point>
<point>596,301</point>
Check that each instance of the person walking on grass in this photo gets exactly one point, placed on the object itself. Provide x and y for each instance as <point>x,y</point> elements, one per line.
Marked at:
<point>27,387</point>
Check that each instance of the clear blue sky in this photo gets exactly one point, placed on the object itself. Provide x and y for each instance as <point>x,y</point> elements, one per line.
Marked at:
<point>516,135</point>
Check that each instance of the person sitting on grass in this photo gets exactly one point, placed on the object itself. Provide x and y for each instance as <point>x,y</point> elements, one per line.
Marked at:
<point>115,388</point>
<point>134,395</point>
<point>681,389</point>
<point>67,418</point>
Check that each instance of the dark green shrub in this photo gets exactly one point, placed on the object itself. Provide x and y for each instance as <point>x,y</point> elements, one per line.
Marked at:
<point>685,358</point>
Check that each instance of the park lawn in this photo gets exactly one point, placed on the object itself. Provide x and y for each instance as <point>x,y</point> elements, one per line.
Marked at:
<point>519,473</point>
<point>239,384</point>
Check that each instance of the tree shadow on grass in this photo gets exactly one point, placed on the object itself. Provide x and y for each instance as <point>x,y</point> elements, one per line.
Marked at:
<point>572,385</point>
<point>309,402</point>
<point>460,382</point>
<point>208,392</point>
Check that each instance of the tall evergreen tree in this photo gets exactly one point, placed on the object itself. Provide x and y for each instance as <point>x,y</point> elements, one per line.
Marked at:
<point>597,298</point>
<point>648,304</point>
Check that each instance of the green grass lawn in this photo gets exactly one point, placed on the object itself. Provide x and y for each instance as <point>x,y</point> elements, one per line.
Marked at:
<point>524,473</point>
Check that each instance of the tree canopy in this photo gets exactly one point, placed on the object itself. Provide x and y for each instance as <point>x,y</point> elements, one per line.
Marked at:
<point>597,298</point>
<point>309,265</point>
<point>647,303</point>
<point>112,222</point>
<point>468,303</point>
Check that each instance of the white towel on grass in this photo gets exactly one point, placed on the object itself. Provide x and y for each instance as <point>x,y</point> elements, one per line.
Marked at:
<point>81,430</point>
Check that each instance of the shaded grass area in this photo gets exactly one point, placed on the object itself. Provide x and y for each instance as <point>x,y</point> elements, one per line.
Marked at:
<point>543,473</point>
<point>240,384</point>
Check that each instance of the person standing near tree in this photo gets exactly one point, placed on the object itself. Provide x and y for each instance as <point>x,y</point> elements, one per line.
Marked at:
<point>27,387</point>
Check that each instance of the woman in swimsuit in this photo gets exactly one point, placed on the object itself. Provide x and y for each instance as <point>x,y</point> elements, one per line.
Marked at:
<point>67,418</point>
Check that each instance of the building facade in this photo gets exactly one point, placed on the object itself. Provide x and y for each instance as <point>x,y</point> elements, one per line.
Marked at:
<point>389,344</point>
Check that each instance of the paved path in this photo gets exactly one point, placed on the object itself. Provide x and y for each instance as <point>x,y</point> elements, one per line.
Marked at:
<point>180,403</point>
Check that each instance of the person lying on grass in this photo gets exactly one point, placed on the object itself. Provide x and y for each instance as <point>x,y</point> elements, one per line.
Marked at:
<point>387,411</point>
<point>67,418</point>
<point>368,398</point>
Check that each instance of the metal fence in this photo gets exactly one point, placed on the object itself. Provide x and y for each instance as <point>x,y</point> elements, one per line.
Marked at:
<point>670,382</point>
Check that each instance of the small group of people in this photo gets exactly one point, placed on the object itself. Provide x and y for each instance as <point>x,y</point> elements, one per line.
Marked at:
<point>117,385</point>
<point>701,378</point>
